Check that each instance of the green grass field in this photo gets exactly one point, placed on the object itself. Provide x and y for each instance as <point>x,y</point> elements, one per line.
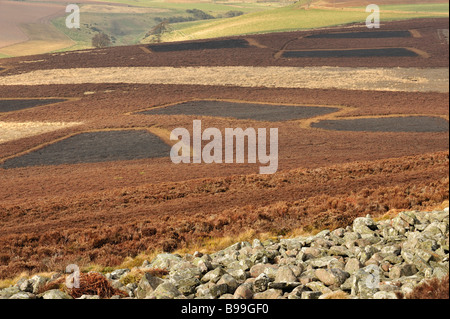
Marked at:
<point>130,28</point>
<point>289,18</point>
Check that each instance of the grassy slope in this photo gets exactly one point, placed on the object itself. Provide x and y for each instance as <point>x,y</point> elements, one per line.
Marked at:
<point>132,27</point>
<point>276,20</point>
<point>43,38</point>
<point>260,18</point>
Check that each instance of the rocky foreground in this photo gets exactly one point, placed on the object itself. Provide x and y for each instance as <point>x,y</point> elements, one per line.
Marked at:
<point>366,260</point>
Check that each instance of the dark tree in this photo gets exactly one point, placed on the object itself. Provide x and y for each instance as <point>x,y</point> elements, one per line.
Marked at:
<point>101,40</point>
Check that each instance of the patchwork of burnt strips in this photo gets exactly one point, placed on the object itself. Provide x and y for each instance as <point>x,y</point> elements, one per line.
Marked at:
<point>200,45</point>
<point>362,35</point>
<point>351,53</point>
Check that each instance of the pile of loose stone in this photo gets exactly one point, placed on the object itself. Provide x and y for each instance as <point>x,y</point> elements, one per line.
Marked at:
<point>366,260</point>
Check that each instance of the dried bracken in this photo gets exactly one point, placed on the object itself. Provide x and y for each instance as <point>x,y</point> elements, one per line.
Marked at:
<point>432,289</point>
<point>304,201</point>
<point>90,284</point>
<point>101,213</point>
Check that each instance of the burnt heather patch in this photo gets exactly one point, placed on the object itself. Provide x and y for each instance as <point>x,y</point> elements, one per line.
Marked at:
<point>203,45</point>
<point>242,110</point>
<point>354,53</point>
<point>362,35</point>
<point>17,105</point>
<point>93,147</point>
<point>417,124</point>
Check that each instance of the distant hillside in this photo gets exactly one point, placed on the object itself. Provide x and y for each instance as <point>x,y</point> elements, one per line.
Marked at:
<point>294,17</point>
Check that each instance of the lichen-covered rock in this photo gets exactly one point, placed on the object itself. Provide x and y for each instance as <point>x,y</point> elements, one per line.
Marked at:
<point>147,285</point>
<point>269,294</point>
<point>368,260</point>
<point>261,282</point>
<point>364,225</point>
<point>365,282</point>
<point>166,291</point>
<point>285,274</point>
<point>55,294</point>
<point>244,291</point>
<point>332,277</point>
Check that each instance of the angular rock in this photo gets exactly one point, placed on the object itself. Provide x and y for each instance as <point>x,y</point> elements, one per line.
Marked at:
<point>285,274</point>
<point>318,286</point>
<point>364,225</point>
<point>9,292</point>
<point>214,275</point>
<point>366,282</point>
<point>117,274</point>
<point>268,294</point>
<point>404,270</point>
<point>165,261</point>
<point>218,290</point>
<point>258,269</point>
<point>147,285</point>
<point>385,295</point>
<point>261,282</point>
<point>55,294</point>
<point>332,277</point>
<point>353,265</point>
<point>311,294</point>
<point>25,295</point>
<point>244,291</point>
<point>166,291</point>
<point>230,282</point>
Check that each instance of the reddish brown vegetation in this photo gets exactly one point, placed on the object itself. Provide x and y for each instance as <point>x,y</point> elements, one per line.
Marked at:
<point>260,56</point>
<point>101,213</point>
<point>432,289</point>
<point>90,284</point>
<point>105,227</point>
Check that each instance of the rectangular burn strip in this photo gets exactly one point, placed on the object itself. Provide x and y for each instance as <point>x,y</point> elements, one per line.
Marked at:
<point>354,53</point>
<point>416,124</point>
<point>17,105</point>
<point>204,45</point>
<point>362,35</point>
<point>94,147</point>
<point>242,111</point>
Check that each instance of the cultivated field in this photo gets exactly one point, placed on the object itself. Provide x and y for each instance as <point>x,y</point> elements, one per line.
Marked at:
<point>293,17</point>
<point>100,187</point>
<point>26,28</point>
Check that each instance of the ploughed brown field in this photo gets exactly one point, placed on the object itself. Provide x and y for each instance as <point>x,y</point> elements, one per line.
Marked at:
<point>90,191</point>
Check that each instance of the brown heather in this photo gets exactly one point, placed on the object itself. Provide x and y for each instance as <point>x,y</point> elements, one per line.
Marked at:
<point>105,228</point>
<point>431,289</point>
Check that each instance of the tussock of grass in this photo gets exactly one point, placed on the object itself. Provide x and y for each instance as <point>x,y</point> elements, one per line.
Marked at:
<point>5,283</point>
